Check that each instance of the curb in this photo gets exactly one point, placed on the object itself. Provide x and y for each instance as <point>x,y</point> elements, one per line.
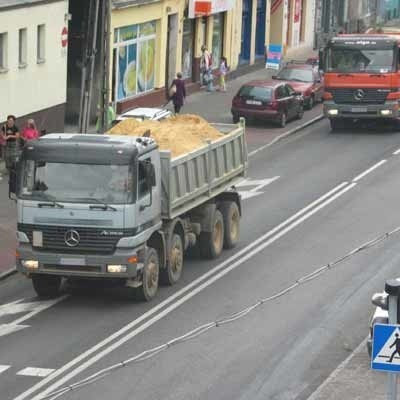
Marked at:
<point>337,371</point>
<point>8,273</point>
<point>286,134</point>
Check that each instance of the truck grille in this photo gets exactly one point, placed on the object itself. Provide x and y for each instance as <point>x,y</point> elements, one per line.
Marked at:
<point>359,96</point>
<point>91,240</point>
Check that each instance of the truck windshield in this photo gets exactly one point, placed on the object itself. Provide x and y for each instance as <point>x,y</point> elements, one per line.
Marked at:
<point>347,60</point>
<point>76,183</point>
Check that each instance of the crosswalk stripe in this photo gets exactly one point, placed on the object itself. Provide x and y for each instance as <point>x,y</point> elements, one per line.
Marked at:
<point>40,372</point>
<point>4,368</point>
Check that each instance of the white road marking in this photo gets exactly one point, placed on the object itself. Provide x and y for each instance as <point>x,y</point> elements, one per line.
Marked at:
<point>39,372</point>
<point>258,185</point>
<point>322,202</point>
<point>17,307</point>
<point>377,165</point>
<point>397,152</point>
<point>4,368</point>
<point>172,298</point>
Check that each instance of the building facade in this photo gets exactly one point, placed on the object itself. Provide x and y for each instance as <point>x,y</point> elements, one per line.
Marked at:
<point>33,61</point>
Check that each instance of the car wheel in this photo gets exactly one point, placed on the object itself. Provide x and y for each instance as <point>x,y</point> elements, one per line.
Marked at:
<point>283,120</point>
<point>300,112</point>
<point>310,103</point>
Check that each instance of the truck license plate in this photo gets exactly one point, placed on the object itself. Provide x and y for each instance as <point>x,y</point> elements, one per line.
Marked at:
<point>359,109</point>
<point>73,261</point>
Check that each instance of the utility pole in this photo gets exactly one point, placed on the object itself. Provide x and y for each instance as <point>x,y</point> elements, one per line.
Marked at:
<point>105,66</point>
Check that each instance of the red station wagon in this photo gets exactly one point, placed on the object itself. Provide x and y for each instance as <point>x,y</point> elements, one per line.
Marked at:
<point>305,79</point>
<point>269,101</point>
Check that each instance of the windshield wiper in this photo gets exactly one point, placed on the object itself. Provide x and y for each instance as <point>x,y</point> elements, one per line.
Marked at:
<point>100,204</point>
<point>52,201</point>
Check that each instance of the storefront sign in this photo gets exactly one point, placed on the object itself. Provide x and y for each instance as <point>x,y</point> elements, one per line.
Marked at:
<point>198,8</point>
<point>274,56</point>
<point>297,10</point>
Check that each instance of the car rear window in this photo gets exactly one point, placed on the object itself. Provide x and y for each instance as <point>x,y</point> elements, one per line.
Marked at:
<point>296,74</point>
<point>256,93</point>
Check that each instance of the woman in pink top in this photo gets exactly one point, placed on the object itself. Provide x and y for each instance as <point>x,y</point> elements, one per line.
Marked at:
<point>30,132</point>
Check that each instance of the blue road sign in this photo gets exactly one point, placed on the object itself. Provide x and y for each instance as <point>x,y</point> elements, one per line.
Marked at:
<point>386,348</point>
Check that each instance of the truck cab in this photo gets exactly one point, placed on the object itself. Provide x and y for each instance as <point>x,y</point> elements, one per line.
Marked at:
<point>362,79</point>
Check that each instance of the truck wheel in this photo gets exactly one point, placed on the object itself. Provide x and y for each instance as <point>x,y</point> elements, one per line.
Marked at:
<point>46,286</point>
<point>336,124</point>
<point>231,215</point>
<point>211,243</point>
<point>151,270</point>
<point>173,271</point>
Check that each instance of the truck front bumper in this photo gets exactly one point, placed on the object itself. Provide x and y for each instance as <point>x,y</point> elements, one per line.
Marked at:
<point>388,110</point>
<point>78,265</point>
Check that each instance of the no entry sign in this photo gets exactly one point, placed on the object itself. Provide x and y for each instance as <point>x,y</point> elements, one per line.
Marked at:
<point>64,37</point>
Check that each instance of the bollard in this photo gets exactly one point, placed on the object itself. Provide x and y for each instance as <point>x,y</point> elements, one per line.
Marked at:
<point>392,288</point>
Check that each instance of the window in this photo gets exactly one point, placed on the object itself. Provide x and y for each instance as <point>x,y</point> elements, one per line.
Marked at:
<point>143,188</point>
<point>296,74</point>
<point>217,38</point>
<point>281,92</point>
<point>255,93</point>
<point>135,59</point>
<point>290,90</point>
<point>22,55</point>
<point>41,42</point>
<point>187,46</point>
<point>3,51</point>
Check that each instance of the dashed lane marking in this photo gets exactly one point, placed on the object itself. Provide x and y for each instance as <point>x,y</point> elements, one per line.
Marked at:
<point>4,368</point>
<point>36,372</point>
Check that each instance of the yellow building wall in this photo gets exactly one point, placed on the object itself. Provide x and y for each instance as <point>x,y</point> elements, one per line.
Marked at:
<point>277,35</point>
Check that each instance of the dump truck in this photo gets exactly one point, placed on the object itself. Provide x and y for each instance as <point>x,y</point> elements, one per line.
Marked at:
<point>362,78</point>
<point>119,208</point>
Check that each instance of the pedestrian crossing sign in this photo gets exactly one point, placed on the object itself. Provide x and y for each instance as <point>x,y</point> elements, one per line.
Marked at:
<point>386,348</point>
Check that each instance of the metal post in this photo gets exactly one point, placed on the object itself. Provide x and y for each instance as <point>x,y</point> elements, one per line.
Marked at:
<point>392,288</point>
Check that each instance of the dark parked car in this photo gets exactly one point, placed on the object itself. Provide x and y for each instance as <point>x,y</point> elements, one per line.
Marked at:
<point>269,101</point>
<point>305,79</point>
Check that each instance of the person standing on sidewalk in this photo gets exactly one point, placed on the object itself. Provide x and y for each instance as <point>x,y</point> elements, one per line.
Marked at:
<point>178,92</point>
<point>11,135</point>
<point>223,69</point>
<point>206,69</point>
<point>30,132</point>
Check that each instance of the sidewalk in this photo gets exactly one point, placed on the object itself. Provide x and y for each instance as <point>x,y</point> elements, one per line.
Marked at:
<point>353,380</point>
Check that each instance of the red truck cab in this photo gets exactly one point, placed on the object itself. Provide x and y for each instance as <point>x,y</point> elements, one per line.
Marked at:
<point>362,78</point>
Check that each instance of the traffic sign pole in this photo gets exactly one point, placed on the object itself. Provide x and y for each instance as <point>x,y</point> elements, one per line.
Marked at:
<point>392,287</point>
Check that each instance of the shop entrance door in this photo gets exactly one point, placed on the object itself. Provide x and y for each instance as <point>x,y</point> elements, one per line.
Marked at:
<point>172,40</point>
<point>260,28</point>
<point>246,32</point>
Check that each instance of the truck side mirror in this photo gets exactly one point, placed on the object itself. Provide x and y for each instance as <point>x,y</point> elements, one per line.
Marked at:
<point>12,184</point>
<point>150,175</point>
<point>321,56</point>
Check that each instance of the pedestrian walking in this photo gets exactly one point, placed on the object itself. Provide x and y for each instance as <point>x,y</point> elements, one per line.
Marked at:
<point>11,135</point>
<point>177,92</point>
<point>30,132</point>
<point>205,68</point>
<point>223,69</point>
<point>397,348</point>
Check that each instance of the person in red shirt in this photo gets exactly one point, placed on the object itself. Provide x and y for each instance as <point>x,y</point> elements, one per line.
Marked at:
<point>30,132</point>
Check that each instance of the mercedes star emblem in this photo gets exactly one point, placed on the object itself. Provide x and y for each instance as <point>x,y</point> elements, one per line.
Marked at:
<point>359,94</point>
<point>72,238</point>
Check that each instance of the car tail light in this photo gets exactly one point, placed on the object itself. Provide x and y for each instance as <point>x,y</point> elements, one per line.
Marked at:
<point>307,92</point>
<point>328,96</point>
<point>273,105</point>
<point>236,100</point>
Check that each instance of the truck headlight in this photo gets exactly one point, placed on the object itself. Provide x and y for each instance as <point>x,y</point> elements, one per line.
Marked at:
<point>333,111</point>
<point>116,269</point>
<point>386,112</point>
<point>30,264</point>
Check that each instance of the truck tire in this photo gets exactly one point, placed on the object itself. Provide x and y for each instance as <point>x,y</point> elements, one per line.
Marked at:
<point>46,286</point>
<point>211,243</point>
<point>231,215</point>
<point>173,270</point>
<point>151,270</point>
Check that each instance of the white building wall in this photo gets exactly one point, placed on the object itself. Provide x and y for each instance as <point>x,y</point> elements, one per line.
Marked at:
<point>37,86</point>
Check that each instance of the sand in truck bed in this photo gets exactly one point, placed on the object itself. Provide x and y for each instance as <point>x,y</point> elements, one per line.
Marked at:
<point>180,134</point>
